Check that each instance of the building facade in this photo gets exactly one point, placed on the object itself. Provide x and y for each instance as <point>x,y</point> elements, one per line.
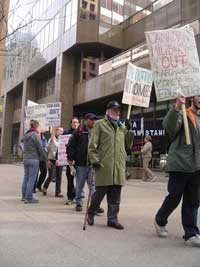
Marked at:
<point>74,51</point>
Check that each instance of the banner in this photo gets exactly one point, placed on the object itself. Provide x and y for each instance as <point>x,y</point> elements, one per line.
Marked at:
<point>53,116</point>
<point>174,62</point>
<point>138,84</point>
<point>62,155</point>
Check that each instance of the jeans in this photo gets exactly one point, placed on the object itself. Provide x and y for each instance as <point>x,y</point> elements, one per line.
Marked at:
<point>52,171</point>
<point>30,174</point>
<point>186,185</point>
<point>43,172</point>
<point>83,174</point>
<point>113,200</point>
<point>70,184</point>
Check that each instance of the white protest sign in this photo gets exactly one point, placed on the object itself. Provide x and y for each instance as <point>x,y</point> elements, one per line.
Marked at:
<point>62,155</point>
<point>47,114</point>
<point>53,116</point>
<point>174,62</point>
<point>138,84</point>
<point>36,112</point>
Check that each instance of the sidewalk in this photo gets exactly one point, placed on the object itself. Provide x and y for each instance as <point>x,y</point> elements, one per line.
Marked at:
<point>49,234</point>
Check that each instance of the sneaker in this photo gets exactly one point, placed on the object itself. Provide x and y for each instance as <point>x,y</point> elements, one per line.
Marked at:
<point>116,225</point>
<point>31,201</point>
<point>44,191</point>
<point>79,208</point>
<point>69,202</point>
<point>99,211</point>
<point>152,179</point>
<point>193,241</point>
<point>90,219</point>
<point>160,230</point>
<point>144,179</point>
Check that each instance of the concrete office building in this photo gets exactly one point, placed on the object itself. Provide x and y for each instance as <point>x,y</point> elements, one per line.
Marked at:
<point>70,40</point>
<point>4,4</point>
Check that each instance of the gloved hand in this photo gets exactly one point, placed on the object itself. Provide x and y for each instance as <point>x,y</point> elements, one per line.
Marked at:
<point>96,165</point>
<point>128,124</point>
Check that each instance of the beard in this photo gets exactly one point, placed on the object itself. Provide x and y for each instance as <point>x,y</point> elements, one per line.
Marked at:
<point>115,118</point>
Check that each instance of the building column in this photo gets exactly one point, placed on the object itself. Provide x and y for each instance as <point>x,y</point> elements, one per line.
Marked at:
<point>64,83</point>
<point>6,136</point>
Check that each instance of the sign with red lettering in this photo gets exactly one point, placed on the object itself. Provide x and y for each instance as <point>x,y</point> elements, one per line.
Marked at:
<point>138,84</point>
<point>62,155</point>
<point>174,62</point>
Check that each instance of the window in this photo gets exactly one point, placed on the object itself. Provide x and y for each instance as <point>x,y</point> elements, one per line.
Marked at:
<point>92,66</point>
<point>46,36</point>
<point>84,4</point>
<point>68,16</point>
<point>92,7</point>
<point>74,12</point>
<point>51,31</point>
<point>56,27</point>
<point>42,40</point>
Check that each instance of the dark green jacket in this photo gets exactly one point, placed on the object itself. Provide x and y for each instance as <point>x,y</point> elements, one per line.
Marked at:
<point>108,148</point>
<point>182,157</point>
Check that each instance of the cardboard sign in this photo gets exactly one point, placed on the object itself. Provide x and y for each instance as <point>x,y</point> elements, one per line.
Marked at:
<point>138,84</point>
<point>174,62</point>
<point>53,116</point>
<point>62,155</point>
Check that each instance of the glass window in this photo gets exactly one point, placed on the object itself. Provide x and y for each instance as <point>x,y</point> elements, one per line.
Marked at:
<point>42,40</point>
<point>68,16</point>
<point>74,12</point>
<point>46,36</point>
<point>56,27</point>
<point>51,31</point>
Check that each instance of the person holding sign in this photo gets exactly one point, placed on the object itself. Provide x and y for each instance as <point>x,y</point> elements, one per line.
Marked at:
<point>183,165</point>
<point>107,154</point>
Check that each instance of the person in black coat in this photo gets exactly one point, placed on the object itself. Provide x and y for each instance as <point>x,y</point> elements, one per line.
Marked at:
<point>71,191</point>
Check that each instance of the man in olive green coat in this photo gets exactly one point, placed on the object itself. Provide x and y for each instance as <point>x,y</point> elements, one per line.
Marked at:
<point>183,165</point>
<point>107,154</point>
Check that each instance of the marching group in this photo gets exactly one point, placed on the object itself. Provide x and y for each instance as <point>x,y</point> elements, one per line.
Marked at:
<point>100,146</point>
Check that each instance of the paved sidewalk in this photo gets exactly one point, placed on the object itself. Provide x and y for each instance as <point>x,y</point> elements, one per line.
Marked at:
<point>49,234</point>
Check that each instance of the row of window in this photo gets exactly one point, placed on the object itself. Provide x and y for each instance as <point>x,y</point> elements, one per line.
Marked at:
<point>40,7</point>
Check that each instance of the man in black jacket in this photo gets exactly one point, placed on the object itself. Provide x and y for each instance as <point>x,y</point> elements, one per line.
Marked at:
<point>70,178</point>
<point>77,152</point>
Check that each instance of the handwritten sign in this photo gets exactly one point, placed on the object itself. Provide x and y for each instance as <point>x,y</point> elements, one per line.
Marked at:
<point>53,116</point>
<point>138,84</point>
<point>47,114</point>
<point>174,62</point>
<point>62,155</point>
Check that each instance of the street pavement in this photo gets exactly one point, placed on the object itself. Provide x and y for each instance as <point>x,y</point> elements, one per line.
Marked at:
<point>50,233</point>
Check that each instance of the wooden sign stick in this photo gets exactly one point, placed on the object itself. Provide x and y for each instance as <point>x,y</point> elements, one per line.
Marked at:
<point>129,112</point>
<point>186,126</point>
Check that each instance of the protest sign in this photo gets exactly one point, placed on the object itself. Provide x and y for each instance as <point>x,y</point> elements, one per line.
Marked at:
<point>174,62</point>
<point>53,116</point>
<point>47,114</point>
<point>62,155</point>
<point>36,112</point>
<point>138,84</point>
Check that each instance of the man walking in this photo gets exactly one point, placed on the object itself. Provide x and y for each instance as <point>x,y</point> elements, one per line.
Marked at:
<point>107,154</point>
<point>183,165</point>
<point>70,178</point>
<point>77,153</point>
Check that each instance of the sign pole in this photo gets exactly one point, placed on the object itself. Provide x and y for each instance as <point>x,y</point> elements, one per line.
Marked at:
<point>129,112</point>
<point>186,127</point>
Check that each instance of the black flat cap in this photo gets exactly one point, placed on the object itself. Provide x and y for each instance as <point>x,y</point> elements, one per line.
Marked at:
<point>113,104</point>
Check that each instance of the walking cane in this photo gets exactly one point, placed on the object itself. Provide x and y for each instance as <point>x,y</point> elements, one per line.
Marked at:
<point>88,200</point>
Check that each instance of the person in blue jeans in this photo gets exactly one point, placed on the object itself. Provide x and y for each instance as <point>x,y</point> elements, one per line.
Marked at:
<point>77,153</point>
<point>183,165</point>
<point>32,152</point>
